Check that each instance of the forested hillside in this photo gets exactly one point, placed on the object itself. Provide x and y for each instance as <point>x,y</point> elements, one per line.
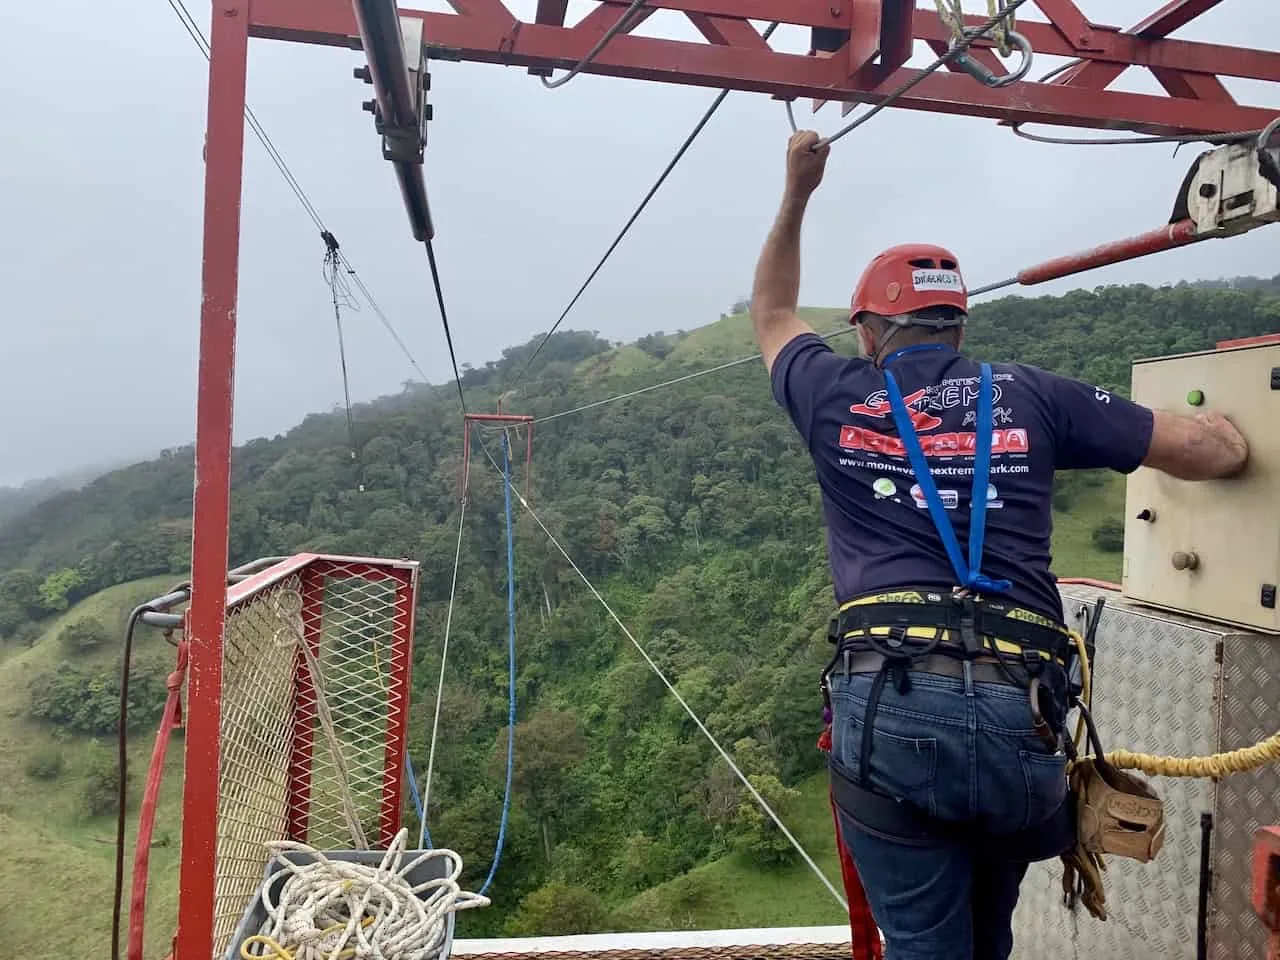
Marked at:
<point>694,511</point>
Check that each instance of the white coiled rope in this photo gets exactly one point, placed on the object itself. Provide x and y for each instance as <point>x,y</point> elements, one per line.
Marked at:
<point>338,910</point>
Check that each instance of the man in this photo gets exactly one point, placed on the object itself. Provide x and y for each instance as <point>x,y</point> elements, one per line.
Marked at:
<point>949,686</point>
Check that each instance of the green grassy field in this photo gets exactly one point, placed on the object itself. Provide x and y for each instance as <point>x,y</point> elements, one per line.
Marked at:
<point>1074,554</point>
<point>56,876</point>
<point>732,892</point>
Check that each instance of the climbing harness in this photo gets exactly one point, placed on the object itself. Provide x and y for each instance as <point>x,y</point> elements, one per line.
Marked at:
<point>957,634</point>
<point>317,907</point>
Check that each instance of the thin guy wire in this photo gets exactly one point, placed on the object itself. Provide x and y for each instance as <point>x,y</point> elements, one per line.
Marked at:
<point>668,383</point>
<point>260,132</point>
<point>960,47</point>
<point>444,655</point>
<point>624,22</point>
<point>688,142</point>
<point>342,360</point>
<point>764,804</point>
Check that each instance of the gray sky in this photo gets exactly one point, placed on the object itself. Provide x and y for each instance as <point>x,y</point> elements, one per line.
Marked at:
<point>100,196</point>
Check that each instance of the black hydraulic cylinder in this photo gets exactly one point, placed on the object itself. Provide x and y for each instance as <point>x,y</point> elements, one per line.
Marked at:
<point>379,25</point>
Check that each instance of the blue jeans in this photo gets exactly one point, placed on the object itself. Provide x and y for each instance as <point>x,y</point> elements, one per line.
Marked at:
<point>959,750</point>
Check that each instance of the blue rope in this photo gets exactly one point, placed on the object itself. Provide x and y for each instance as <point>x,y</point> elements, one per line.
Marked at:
<point>511,666</point>
<point>417,797</point>
<point>970,575</point>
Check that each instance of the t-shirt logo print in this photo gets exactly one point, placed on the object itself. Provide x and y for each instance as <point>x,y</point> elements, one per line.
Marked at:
<point>877,405</point>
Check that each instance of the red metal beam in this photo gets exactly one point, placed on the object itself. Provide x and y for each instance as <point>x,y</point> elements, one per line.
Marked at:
<point>228,61</point>
<point>1127,49</point>
<point>1202,85</point>
<point>1171,16</point>
<point>727,32</point>
<point>1071,23</point>
<point>488,33</point>
<point>552,12</point>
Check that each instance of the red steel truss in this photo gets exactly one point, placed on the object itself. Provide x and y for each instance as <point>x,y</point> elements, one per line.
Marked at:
<point>876,40</point>
<point>860,51</point>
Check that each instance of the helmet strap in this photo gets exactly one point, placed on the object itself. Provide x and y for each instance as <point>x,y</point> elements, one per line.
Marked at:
<point>882,344</point>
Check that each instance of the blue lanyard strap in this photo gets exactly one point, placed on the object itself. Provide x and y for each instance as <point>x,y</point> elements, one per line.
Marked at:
<point>968,576</point>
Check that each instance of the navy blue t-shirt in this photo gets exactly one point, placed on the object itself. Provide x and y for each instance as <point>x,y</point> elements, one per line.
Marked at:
<point>879,532</point>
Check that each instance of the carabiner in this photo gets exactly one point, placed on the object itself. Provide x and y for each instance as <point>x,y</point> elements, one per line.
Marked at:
<point>985,76</point>
<point>1041,725</point>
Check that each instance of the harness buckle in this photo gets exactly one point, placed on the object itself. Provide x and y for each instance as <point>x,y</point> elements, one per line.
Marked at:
<point>970,623</point>
<point>897,636</point>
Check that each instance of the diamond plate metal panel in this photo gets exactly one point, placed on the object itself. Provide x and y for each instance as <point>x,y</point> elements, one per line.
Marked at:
<point>1246,801</point>
<point>1156,677</point>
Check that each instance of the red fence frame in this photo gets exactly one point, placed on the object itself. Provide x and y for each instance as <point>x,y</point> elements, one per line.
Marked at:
<point>200,805</point>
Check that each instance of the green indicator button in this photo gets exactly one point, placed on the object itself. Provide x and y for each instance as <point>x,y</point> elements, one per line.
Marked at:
<point>1195,398</point>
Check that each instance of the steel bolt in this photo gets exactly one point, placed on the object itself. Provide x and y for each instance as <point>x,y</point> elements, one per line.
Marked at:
<point>369,106</point>
<point>363,73</point>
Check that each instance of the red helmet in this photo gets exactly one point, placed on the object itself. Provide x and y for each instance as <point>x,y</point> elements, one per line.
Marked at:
<point>907,278</point>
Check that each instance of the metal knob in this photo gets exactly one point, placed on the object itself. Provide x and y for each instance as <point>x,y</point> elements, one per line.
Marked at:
<point>1182,560</point>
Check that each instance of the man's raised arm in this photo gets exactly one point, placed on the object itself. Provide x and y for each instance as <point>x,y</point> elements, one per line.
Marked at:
<point>777,282</point>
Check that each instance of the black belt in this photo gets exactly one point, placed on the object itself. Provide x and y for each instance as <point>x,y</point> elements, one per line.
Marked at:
<point>956,619</point>
<point>940,664</point>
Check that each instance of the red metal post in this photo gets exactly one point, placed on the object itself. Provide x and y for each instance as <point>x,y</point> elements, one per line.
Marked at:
<point>229,39</point>
<point>398,703</point>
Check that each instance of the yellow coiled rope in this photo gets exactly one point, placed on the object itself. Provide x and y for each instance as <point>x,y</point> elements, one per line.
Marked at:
<point>1214,766</point>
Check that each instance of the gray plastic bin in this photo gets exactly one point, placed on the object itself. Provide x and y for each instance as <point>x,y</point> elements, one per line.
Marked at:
<point>256,913</point>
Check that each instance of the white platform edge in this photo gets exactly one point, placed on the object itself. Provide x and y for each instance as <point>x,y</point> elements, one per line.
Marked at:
<point>674,940</point>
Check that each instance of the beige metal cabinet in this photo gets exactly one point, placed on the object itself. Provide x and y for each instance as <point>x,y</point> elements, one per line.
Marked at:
<point>1211,548</point>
